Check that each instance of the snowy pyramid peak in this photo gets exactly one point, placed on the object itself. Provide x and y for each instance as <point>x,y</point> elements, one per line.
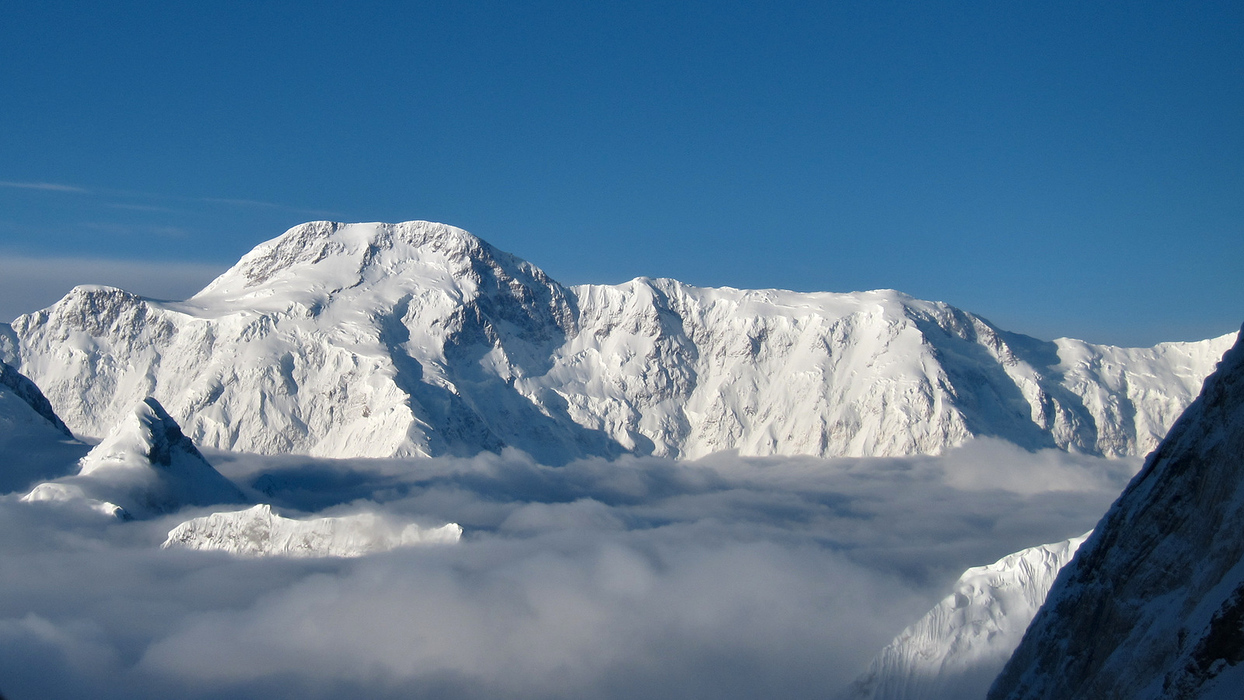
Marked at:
<point>146,465</point>
<point>147,437</point>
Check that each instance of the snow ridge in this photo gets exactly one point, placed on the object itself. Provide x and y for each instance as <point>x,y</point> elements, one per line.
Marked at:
<point>258,532</point>
<point>377,340</point>
<point>1151,607</point>
<point>957,648</point>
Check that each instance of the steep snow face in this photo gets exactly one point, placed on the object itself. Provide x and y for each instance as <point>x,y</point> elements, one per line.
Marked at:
<point>1152,605</point>
<point>260,532</point>
<point>34,443</point>
<point>146,466</point>
<point>419,339</point>
<point>956,649</point>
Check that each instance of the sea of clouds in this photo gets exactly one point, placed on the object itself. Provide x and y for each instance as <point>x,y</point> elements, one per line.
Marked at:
<point>722,578</point>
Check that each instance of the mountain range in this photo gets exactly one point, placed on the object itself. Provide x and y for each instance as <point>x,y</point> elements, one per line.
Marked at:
<point>377,340</point>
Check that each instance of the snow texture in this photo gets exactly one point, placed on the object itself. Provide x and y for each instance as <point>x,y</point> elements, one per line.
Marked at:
<point>412,339</point>
<point>258,531</point>
<point>145,466</point>
<point>956,649</point>
<point>1152,605</point>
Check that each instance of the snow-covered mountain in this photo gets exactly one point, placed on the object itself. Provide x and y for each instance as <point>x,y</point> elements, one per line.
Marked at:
<point>1152,605</point>
<point>34,442</point>
<point>144,466</point>
<point>420,339</point>
<point>955,650</point>
<point>257,531</point>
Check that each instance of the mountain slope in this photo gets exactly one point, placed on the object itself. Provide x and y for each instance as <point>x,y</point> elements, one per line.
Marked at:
<point>420,339</point>
<point>1152,605</point>
<point>956,649</point>
<point>34,442</point>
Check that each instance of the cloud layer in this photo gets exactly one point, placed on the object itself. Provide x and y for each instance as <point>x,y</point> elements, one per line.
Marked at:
<point>636,578</point>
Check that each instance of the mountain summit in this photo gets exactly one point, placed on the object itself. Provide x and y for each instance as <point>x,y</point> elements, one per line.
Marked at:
<point>418,338</point>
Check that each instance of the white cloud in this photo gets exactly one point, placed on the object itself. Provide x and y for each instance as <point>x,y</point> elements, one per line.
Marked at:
<point>45,186</point>
<point>637,578</point>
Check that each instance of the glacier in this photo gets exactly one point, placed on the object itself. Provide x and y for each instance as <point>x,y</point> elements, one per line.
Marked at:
<point>957,648</point>
<point>420,339</point>
<point>257,531</point>
<point>1151,606</point>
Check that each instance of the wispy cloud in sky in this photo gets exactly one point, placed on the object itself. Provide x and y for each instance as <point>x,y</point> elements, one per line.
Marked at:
<point>143,207</point>
<point>136,229</point>
<point>153,196</point>
<point>263,205</point>
<point>45,186</point>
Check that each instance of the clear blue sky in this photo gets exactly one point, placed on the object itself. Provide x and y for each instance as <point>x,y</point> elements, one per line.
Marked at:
<point>1060,168</point>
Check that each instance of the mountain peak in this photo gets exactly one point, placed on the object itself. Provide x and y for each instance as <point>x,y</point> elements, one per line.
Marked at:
<point>148,436</point>
<point>147,465</point>
<point>342,255</point>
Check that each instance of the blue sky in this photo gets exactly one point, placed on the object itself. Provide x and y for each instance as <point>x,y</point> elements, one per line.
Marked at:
<point>1060,168</point>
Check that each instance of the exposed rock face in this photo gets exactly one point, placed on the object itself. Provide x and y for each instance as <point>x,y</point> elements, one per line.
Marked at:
<point>145,466</point>
<point>259,532</point>
<point>420,339</point>
<point>955,650</point>
<point>1152,605</point>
